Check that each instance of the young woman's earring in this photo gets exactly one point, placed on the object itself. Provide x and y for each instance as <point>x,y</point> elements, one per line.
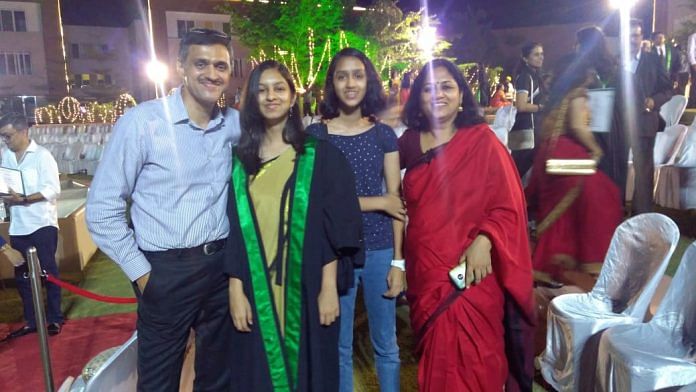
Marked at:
<point>460,108</point>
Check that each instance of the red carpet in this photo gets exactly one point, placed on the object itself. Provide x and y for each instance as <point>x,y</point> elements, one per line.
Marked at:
<point>80,341</point>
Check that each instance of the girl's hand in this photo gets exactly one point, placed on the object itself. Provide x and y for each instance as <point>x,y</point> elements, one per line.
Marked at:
<point>240,308</point>
<point>394,206</point>
<point>478,260</point>
<point>328,306</point>
<point>395,282</point>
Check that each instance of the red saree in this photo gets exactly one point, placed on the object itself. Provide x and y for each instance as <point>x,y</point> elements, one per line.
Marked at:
<point>466,187</point>
<point>576,215</point>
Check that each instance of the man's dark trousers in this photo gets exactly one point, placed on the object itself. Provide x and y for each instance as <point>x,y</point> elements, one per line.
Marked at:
<point>45,240</point>
<point>186,289</point>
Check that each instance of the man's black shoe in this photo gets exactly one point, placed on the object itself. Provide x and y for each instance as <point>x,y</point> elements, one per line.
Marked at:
<point>25,330</point>
<point>54,329</point>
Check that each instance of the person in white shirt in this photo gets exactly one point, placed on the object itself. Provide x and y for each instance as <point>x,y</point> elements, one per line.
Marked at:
<point>691,56</point>
<point>33,216</point>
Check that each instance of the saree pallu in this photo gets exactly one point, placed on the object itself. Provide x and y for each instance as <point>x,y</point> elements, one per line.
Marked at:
<point>576,215</point>
<point>472,340</point>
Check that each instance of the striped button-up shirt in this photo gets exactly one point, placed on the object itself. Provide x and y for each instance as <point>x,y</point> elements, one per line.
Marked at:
<point>175,175</point>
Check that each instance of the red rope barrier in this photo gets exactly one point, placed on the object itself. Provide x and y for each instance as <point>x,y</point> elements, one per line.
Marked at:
<point>88,294</point>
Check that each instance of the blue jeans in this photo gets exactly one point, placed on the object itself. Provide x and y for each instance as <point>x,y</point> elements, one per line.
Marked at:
<point>381,316</point>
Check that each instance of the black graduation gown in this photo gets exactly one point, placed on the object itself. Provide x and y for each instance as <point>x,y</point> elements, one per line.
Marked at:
<point>333,231</point>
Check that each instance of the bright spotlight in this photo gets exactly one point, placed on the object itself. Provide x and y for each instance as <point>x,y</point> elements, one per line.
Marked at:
<point>427,39</point>
<point>622,3</point>
<point>156,71</point>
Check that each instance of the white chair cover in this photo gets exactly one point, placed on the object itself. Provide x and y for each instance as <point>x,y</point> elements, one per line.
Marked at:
<point>118,373</point>
<point>503,122</point>
<point>672,110</point>
<point>658,354</point>
<point>505,117</point>
<point>686,157</point>
<point>636,260</point>
<point>668,145</point>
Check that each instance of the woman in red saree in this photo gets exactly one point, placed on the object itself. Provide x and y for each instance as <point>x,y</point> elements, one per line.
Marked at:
<point>465,204</point>
<point>576,214</point>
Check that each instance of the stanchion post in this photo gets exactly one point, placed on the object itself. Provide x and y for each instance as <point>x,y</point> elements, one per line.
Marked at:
<point>35,273</point>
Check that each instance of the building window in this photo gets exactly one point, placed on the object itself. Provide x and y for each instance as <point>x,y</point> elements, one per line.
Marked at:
<point>105,49</point>
<point>183,27</point>
<point>107,80</point>
<point>20,21</point>
<point>15,64</point>
<point>237,68</point>
<point>84,79</point>
<point>226,28</point>
<point>7,20</point>
<point>75,51</point>
<point>13,21</point>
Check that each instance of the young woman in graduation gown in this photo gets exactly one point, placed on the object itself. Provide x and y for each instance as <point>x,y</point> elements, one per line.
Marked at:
<point>464,204</point>
<point>295,226</point>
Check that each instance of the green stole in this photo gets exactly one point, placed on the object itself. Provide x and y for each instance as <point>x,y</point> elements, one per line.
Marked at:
<point>282,354</point>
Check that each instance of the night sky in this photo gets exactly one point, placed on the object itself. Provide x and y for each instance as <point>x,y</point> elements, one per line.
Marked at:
<point>502,13</point>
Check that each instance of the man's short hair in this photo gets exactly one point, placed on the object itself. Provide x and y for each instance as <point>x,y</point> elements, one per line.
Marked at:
<point>636,23</point>
<point>202,37</point>
<point>655,34</point>
<point>17,120</point>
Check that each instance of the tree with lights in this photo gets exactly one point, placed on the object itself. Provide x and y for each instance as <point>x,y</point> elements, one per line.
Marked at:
<point>399,43</point>
<point>305,34</point>
<point>298,33</point>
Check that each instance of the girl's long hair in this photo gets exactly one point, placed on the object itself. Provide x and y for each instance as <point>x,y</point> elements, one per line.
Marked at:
<point>254,124</point>
<point>413,116</point>
<point>373,102</point>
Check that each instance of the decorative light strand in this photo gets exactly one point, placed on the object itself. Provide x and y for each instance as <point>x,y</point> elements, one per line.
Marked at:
<point>342,40</point>
<point>69,108</point>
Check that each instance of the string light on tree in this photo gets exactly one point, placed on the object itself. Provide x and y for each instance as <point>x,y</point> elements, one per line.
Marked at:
<point>123,102</point>
<point>69,109</point>
<point>342,40</point>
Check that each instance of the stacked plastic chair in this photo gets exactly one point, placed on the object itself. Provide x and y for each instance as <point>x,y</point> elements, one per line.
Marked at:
<point>635,262</point>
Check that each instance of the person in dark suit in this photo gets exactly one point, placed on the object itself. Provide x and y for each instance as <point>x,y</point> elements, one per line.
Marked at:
<point>648,88</point>
<point>669,55</point>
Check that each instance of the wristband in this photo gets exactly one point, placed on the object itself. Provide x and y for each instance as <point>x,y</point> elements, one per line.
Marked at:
<point>399,263</point>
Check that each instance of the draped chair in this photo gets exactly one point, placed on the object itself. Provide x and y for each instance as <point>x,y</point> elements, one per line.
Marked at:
<point>636,260</point>
<point>504,120</point>
<point>115,370</point>
<point>668,145</point>
<point>672,110</point>
<point>661,353</point>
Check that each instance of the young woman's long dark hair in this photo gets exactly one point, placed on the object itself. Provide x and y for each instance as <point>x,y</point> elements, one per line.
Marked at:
<point>413,116</point>
<point>570,73</point>
<point>592,45</point>
<point>254,124</point>
<point>527,49</point>
<point>374,101</point>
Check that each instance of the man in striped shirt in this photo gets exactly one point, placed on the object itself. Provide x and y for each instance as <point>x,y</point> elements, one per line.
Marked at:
<point>171,158</point>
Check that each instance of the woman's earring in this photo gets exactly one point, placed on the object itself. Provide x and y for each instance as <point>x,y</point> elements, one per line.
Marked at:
<point>460,108</point>
<point>290,112</point>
